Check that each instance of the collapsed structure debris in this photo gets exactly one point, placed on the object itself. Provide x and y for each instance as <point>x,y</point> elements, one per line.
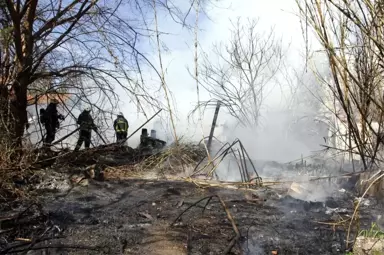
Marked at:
<point>246,168</point>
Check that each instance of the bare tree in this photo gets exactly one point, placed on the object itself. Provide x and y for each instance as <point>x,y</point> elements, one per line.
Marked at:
<point>83,48</point>
<point>351,34</point>
<point>50,40</point>
<point>242,75</point>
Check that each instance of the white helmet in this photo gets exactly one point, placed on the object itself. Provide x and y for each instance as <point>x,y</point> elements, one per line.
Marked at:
<point>54,101</point>
<point>87,109</point>
<point>121,114</point>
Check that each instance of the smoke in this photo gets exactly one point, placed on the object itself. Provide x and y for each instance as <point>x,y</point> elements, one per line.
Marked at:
<point>289,132</point>
<point>288,129</point>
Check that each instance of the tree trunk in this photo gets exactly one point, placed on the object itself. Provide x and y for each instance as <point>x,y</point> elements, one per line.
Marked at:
<point>19,109</point>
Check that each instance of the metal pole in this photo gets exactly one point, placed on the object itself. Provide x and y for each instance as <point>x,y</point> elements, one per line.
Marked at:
<point>123,141</point>
<point>213,125</point>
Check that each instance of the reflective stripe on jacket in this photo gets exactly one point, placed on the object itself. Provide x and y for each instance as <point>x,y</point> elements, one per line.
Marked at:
<point>121,125</point>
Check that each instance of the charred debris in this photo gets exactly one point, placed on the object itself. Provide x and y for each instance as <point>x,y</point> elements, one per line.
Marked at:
<point>197,206</point>
<point>34,228</point>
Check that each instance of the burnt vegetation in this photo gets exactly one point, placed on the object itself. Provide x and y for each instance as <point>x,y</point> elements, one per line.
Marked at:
<point>89,52</point>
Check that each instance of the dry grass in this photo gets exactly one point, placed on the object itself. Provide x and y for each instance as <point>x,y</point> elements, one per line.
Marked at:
<point>170,161</point>
<point>173,158</point>
<point>14,168</point>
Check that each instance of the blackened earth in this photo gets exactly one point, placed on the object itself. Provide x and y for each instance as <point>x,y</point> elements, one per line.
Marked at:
<point>134,217</point>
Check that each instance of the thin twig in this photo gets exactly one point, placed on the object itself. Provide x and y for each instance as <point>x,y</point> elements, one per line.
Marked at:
<point>359,202</point>
<point>235,239</point>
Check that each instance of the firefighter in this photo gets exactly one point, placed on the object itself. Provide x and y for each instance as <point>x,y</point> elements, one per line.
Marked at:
<point>86,123</point>
<point>121,127</point>
<point>50,118</point>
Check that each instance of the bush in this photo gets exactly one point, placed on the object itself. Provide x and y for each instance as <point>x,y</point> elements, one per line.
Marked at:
<point>15,164</point>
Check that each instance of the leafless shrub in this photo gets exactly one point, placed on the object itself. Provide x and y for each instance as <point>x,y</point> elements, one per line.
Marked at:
<point>241,77</point>
<point>351,35</point>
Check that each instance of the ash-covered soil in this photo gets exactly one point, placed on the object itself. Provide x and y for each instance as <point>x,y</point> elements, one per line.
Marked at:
<point>135,216</point>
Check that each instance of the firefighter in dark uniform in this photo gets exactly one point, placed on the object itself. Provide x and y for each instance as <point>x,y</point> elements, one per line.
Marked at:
<point>86,123</point>
<point>121,127</point>
<point>50,118</point>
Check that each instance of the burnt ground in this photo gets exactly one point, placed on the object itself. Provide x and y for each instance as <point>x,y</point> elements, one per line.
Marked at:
<point>134,217</point>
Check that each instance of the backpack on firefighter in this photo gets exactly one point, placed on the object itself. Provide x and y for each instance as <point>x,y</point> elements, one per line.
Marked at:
<point>43,116</point>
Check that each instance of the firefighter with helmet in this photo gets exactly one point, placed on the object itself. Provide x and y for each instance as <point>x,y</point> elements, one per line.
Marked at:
<point>50,119</point>
<point>85,121</point>
<point>121,127</point>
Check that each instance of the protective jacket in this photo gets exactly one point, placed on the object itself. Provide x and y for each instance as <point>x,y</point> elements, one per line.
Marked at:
<point>121,125</point>
<point>85,121</point>
<point>51,116</point>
